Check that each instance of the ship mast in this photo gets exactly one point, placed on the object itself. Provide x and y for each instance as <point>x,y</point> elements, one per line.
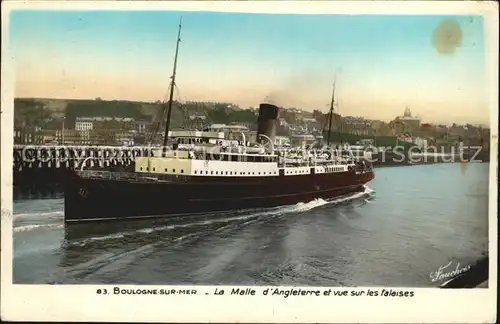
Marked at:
<point>331,113</point>
<point>172,86</point>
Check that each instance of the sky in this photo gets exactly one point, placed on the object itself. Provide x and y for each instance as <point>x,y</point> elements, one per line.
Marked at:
<point>381,63</point>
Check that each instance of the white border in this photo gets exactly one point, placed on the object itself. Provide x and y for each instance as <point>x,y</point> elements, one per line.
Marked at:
<point>80,303</point>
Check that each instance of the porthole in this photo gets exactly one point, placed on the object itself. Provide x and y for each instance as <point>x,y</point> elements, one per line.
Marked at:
<point>154,169</point>
<point>216,172</point>
<point>141,168</point>
<point>182,171</point>
<point>194,171</point>
<point>173,170</point>
<point>211,172</point>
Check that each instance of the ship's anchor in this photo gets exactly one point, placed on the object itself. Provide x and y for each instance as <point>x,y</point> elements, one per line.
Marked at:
<point>83,192</point>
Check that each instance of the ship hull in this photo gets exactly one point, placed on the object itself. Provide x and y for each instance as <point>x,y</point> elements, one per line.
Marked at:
<point>104,199</point>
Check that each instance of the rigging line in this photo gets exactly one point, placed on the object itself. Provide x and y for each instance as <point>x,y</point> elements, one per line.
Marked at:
<point>178,96</point>
<point>159,119</point>
<point>155,127</point>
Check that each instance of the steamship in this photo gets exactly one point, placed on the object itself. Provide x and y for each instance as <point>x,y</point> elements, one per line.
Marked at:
<point>207,178</point>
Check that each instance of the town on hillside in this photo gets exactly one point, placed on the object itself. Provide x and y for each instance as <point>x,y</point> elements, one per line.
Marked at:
<point>127,123</point>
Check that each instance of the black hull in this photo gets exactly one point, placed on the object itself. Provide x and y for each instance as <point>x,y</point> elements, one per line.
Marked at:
<point>103,199</point>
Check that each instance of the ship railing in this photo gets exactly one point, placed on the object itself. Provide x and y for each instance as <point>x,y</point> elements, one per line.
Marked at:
<point>286,162</point>
<point>110,175</point>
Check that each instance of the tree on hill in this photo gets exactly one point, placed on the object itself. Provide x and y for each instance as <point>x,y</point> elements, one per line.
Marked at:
<point>31,113</point>
<point>222,114</point>
<point>90,108</point>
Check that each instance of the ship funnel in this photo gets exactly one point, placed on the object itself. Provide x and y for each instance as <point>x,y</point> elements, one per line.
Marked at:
<point>266,124</point>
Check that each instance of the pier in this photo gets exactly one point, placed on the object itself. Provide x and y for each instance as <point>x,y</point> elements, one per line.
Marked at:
<point>39,171</point>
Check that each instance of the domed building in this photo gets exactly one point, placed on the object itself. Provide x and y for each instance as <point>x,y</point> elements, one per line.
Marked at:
<point>410,122</point>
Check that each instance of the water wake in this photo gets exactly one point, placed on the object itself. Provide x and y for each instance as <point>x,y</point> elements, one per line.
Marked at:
<point>52,214</point>
<point>106,262</point>
<point>240,219</point>
<point>27,228</point>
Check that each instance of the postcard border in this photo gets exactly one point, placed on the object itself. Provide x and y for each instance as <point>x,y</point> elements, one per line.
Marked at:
<point>42,302</point>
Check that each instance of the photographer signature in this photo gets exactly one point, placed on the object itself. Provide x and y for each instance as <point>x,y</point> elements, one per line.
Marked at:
<point>444,272</point>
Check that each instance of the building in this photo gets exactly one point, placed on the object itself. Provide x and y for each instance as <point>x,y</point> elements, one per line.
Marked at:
<point>196,121</point>
<point>308,120</point>
<point>124,138</point>
<point>195,117</point>
<point>411,123</point>
<point>380,128</point>
<point>227,128</point>
<point>353,125</point>
<point>232,132</point>
<point>29,135</point>
<point>84,123</point>
<point>302,140</point>
<point>70,137</point>
<point>282,122</point>
<point>420,142</point>
<point>356,121</point>
<point>142,125</point>
<point>320,140</point>
<point>282,141</point>
<point>109,118</point>
<point>294,110</point>
<point>210,104</point>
